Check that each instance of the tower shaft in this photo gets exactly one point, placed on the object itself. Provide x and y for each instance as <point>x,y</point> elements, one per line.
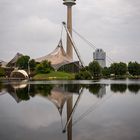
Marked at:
<point>69,4</point>
<point>69,110</point>
<point>69,49</point>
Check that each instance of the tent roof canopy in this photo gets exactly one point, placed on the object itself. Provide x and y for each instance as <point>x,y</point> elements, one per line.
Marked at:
<point>57,57</point>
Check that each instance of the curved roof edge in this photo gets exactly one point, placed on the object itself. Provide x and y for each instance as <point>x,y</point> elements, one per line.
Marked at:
<point>23,72</point>
<point>57,57</point>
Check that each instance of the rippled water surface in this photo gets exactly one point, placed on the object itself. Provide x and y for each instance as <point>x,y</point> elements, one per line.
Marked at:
<point>70,110</point>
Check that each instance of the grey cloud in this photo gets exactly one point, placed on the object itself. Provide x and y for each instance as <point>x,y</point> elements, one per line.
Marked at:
<point>33,27</point>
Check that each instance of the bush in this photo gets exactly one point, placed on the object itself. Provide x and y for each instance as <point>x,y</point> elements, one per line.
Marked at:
<point>106,72</point>
<point>83,75</point>
<point>44,67</point>
<point>118,68</point>
<point>22,62</point>
<point>2,72</point>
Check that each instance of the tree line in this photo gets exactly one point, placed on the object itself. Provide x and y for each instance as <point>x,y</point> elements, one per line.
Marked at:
<point>116,70</point>
<point>24,62</point>
<point>92,71</point>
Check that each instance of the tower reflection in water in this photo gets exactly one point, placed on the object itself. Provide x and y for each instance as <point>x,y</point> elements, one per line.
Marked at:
<point>58,94</point>
<point>64,95</point>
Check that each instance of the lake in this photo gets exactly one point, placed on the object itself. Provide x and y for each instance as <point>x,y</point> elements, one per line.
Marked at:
<point>70,110</point>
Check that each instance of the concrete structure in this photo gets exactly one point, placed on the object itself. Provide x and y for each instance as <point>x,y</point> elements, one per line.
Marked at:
<point>21,74</point>
<point>100,56</point>
<point>60,59</point>
<point>69,4</point>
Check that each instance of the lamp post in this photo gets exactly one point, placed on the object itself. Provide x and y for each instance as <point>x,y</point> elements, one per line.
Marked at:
<point>69,4</point>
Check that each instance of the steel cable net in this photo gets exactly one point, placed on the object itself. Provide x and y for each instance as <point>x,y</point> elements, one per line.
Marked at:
<point>110,60</point>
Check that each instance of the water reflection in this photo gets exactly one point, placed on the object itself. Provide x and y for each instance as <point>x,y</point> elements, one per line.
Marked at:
<point>62,94</point>
<point>118,88</point>
<point>133,88</point>
<point>59,94</point>
<point>98,90</point>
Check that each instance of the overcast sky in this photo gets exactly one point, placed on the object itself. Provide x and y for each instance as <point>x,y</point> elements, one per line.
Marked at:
<point>33,27</point>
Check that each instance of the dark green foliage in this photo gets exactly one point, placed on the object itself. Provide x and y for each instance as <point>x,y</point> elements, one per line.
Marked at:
<point>23,94</point>
<point>94,69</point>
<point>118,68</point>
<point>86,68</point>
<point>86,73</point>
<point>106,72</point>
<point>44,90</point>
<point>22,62</point>
<point>2,72</point>
<point>122,68</point>
<point>83,75</point>
<point>95,89</point>
<point>70,68</point>
<point>73,88</point>
<point>44,67</point>
<point>134,68</point>
<point>134,88</point>
<point>114,68</point>
<point>32,64</point>
<point>118,87</point>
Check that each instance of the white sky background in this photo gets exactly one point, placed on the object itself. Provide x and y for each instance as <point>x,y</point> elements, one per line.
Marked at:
<point>33,27</point>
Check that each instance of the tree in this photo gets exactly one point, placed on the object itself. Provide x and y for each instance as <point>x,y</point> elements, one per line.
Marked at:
<point>44,67</point>
<point>134,88</point>
<point>118,68</point>
<point>44,90</point>
<point>106,71</point>
<point>32,64</point>
<point>83,75</point>
<point>134,68</point>
<point>23,61</point>
<point>122,68</point>
<point>94,89</point>
<point>118,88</point>
<point>2,71</point>
<point>114,68</point>
<point>23,94</point>
<point>94,69</point>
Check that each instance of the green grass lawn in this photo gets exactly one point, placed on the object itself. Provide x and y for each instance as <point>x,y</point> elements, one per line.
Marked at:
<point>54,76</point>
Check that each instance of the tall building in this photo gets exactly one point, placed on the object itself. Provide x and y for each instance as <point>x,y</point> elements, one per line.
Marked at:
<point>69,4</point>
<point>100,56</point>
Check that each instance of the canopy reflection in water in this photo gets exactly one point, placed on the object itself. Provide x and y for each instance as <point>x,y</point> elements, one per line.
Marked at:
<point>67,96</point>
